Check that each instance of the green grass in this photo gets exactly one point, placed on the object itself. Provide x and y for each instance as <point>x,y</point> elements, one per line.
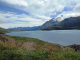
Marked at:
<point>27,39</point>
<point>24,48</point>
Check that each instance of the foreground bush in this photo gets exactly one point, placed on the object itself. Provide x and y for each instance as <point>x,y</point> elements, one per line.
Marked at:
<point>23,48</point>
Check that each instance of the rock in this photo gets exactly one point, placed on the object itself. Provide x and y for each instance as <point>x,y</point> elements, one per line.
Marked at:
<point>61,46</point>
<point>75,47</point>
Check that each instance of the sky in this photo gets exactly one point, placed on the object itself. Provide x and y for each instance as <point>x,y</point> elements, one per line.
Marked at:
<point>24,13</point>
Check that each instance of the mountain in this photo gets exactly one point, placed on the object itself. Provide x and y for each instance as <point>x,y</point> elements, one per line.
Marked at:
<point>50,23</point>
<point>25,28</point>
<point>67,23</point>
<point>70,23</point>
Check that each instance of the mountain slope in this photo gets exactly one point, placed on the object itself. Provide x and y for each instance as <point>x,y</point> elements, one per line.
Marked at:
<point>72,22</point>
<point>3,31</point>
<point>67,23</point>
<point>50,23</point>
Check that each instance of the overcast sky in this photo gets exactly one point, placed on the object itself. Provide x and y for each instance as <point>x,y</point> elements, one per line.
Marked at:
<point>24,13</point>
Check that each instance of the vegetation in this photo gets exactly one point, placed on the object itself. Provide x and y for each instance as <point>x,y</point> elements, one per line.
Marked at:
<point>52,28</point>
<point>24,48</point>
<point>3,31</point>
<point>61,28</point>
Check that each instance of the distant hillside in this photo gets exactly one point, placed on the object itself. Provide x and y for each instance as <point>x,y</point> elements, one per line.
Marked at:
<point>10,30</point>
<point>25,28</point>
<point>67,23</point>
<point>4,31</point>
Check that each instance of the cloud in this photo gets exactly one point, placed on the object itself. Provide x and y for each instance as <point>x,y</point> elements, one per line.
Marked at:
<point>77,8</point>
<point>39,11</point>
<point>67,14</point>
<point>24,20</point>
<point>17,2</point>
<point>1,21</point>
<point>43,17</point>
<point>42,7</point>
<point>37,7</point>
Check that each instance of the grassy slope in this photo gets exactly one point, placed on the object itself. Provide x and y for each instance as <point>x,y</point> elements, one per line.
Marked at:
<point>24,48</point>
<point>4,31</point>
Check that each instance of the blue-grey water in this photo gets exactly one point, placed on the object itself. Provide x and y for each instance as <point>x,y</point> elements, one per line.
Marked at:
<point>62,37</point>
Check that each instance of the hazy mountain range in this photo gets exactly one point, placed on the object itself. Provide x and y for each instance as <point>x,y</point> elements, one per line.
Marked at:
<point>25,28</point>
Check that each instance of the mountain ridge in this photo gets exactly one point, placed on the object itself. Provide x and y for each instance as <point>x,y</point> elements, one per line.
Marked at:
<point>67,23</point>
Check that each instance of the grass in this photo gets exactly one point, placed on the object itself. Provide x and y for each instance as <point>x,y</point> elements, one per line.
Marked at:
<point>24,48</point>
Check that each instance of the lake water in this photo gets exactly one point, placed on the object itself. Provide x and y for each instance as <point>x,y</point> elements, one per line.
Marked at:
<point>62,37</point>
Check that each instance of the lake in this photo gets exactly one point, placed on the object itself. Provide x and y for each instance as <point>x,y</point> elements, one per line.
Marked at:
<point>62,37</point>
